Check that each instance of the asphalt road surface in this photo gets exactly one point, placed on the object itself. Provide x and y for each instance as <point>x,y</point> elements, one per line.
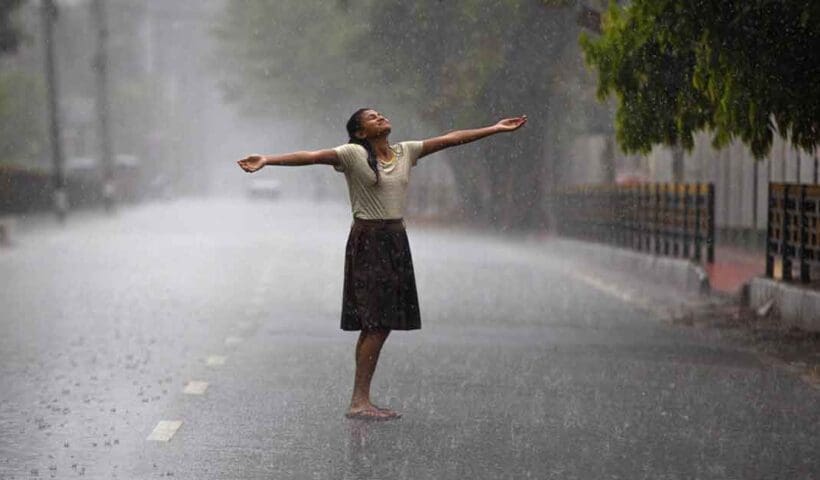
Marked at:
<point>520,370</point>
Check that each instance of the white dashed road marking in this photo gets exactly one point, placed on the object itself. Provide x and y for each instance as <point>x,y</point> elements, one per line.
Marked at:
<point>619,293</point>
<point>214,360</point>
<point>164,430</point>
<point>195,387</point>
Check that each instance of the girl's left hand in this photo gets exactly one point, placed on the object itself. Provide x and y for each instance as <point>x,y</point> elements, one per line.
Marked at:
<point>511,124</point>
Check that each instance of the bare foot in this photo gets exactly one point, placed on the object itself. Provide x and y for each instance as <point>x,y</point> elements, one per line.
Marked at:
<point>389,411</point>
<point>371,412</point>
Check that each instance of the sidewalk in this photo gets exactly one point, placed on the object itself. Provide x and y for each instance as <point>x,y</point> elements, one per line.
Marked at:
<point>771,335</point>
<point>734,267</point>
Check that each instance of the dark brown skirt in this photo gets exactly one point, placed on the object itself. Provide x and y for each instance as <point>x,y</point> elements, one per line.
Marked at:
<point>379,284</point>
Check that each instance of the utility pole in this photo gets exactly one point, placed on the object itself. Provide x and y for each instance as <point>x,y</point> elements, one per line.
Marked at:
<point>100,65</point>
<point>589,18</point>
<point>48,13</point>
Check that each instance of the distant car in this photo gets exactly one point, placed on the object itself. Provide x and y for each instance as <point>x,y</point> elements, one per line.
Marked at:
<point>264,188</point>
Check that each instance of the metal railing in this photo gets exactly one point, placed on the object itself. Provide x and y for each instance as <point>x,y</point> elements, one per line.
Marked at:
<point>672,219</point>
<point>793,231</point>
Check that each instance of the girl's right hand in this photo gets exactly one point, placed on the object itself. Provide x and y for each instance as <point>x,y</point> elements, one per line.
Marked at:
<point>252,163</point>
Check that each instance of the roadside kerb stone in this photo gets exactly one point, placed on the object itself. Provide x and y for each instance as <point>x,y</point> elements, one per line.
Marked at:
<point>678,273</point>
<point>797,306</point>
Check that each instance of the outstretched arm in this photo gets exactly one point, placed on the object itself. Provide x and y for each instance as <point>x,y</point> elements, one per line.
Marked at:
<point>254,162</point>
<point>460,137</point>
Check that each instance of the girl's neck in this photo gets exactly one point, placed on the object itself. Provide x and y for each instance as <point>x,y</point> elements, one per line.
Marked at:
<point>381,147</point>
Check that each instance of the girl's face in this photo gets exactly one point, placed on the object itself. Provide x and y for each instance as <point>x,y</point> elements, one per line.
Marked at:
<point>373,124</point>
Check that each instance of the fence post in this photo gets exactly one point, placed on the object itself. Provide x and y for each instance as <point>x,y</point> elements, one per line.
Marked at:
<point>675,219</point>
<point>616,215</point>
<point>666,207</point>
<point>637,225</point>
<point>698,206</point>
<point>646,217</point>
<point>657,198</point>
<point>710,233</point>
<point>804,227</point>
<point>686,222</point>
<point>785,249</point>
<point>769,241</point>
<point>624,215</point>
<point>620,216</point>
<point>637,240</point>
<point>632,232</point>
<point>645,223</point>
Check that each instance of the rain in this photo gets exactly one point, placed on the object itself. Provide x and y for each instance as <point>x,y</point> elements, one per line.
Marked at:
<point>589,228</point>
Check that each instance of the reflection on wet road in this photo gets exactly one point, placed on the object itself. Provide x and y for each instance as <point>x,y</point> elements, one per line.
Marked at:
<point>112,326</point>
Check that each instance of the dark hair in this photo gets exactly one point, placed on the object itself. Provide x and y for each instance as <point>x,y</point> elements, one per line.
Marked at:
<point>354,124</point>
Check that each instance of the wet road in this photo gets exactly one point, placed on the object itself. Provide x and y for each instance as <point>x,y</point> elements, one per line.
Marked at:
<point>519,371</point>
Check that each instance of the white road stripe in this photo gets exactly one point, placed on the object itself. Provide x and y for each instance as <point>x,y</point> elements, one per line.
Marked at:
<point>619,293</point>
<point>195,387</point>
<point>164,430</point>
<point>230,341</point>
<point>214,360</point>
<point>609,289</point>
<point>664,314</point>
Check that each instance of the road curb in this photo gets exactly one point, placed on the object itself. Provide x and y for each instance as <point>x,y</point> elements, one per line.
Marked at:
<point>674,272</point>
<point>797,306</point>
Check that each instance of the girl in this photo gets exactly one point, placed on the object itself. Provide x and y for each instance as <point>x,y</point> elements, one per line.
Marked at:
<point>379,293</point>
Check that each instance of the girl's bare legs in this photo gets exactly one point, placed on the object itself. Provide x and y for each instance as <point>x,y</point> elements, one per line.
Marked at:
<point>367,356</point>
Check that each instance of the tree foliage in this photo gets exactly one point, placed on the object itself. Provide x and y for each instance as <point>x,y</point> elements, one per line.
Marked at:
<point>746,69</point>
<point>22,133</point>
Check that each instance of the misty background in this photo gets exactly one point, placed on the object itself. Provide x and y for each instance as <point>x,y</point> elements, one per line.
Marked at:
<point>196,85</point>
<point>193,86</point>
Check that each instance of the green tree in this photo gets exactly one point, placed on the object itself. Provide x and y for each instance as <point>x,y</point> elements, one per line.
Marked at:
<point>22,132</point>
<point>738,69</point>
<point>21,97</point>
